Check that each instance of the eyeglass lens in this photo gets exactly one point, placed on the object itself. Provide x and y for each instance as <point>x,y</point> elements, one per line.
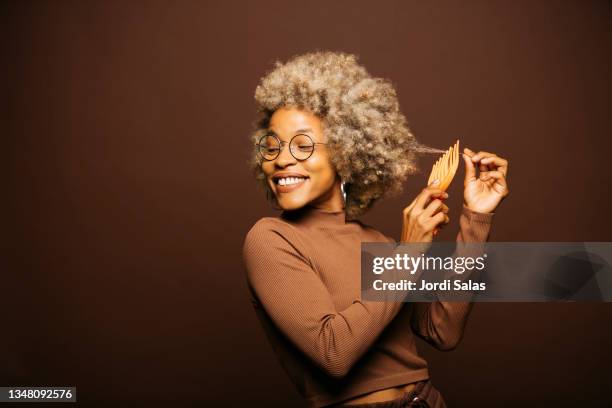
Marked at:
<point>301,147</point>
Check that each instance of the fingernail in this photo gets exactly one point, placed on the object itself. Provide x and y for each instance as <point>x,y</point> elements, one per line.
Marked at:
<point>445,195</point>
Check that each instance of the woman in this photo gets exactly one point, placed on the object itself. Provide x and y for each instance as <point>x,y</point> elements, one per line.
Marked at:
<point>331,142</point>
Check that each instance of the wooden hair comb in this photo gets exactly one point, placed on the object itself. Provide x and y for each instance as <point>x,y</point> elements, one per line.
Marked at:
<point>444,169</point>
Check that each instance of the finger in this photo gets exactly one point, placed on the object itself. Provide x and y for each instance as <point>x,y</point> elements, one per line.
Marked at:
<point>470,169</point>
<point>477,159</point>
<point>409,208</point>
<point>441,226</point>
<point>444,208</point>
<point>493,174</point>
<point>433,207</point>
<point>480,155</point>
<point>500,185</point>
<point>427,194</point>
<point>439,218</point>
<point>442,195</point>
<point>496,163</point>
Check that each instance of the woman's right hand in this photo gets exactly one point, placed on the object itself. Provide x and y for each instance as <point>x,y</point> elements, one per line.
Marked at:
<point>424,215</point>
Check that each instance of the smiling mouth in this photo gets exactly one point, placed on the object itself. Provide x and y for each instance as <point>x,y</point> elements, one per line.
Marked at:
<point>289,181</point>
<point>288,184</point>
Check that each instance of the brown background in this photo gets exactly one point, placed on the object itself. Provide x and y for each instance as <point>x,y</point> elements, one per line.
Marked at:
<point>128,197</point>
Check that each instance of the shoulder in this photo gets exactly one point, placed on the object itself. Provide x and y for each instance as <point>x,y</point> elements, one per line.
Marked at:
<point>266,227</point>
<point>272,234</point>
<point>272,243</point>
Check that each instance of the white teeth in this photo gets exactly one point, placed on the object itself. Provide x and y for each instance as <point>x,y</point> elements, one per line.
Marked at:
<point>286,181</point>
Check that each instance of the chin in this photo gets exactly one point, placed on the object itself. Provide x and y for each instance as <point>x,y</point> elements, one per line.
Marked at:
<point>291,203</point>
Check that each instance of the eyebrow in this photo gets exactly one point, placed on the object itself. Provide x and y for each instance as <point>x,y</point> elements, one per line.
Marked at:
<point>305,130</point>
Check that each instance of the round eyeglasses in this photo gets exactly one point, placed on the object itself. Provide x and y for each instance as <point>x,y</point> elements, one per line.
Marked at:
<point>301,146</point>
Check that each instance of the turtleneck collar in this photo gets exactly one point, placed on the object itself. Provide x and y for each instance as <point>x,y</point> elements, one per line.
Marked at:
<point>313,216</point>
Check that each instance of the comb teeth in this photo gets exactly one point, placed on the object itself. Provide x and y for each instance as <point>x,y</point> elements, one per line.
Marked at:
<point>445,167</point>
<point>434,172</point>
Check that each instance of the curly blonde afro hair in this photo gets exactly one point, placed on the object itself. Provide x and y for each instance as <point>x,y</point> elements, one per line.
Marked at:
<point>369,142</point>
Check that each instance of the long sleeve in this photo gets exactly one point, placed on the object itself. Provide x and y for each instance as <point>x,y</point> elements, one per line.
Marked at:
<point>440,323</point>
<point>294,296</point>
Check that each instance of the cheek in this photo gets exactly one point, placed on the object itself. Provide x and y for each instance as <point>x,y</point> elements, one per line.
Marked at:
<point>321,171</point>
<point>267,168</point>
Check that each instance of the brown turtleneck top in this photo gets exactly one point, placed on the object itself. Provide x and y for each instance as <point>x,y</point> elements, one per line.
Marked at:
<point>304,277</point>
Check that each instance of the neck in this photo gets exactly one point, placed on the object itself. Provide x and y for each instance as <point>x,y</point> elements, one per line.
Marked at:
<point>310,215</point>
<point>332,201</point>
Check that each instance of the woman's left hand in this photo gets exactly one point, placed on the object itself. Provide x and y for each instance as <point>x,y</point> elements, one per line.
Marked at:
<point>484,193</point>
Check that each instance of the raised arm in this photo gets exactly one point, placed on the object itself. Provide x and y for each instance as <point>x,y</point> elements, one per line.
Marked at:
<point>300,305</point>
<point>441,323</point>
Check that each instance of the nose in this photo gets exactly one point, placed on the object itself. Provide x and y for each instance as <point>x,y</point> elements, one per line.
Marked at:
<point>285,158</point>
